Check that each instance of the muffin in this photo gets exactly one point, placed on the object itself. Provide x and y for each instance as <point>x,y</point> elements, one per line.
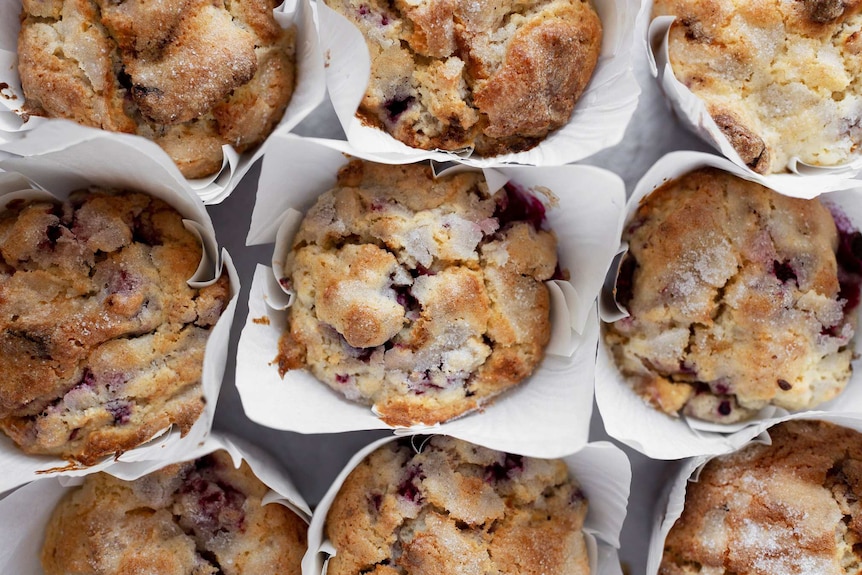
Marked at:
<point>200,517</point>
<point>423,297</point>
<point>789,507</point>
<point>101,338</point>
<point>455,507</point>
<point>739,298</point>
<point>780,79</point>
<point>191,75</point>
<point>494,77</point>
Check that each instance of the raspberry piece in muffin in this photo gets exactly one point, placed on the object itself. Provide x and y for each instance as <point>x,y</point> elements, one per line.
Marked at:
<point>202,517</point>
<point>421,296</point>
<point>736,300</point>
<point>191,75</point>
<point>451,508</point>
<point>101,338</point>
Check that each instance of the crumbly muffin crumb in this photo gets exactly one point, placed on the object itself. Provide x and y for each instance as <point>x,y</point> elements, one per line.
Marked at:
<point>454,507</point>
<point>789,508</point>
<point>204,517</point>
<point>747,308</point>
<point>101,338</point>
<point>422,304</point>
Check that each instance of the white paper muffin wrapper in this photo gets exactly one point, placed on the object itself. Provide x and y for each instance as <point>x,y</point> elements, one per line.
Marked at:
<point>669,508</point>
<point>802,180</point>
<point>545,416</point>
<point>50,137</point>
<point>122,167</point>
<point>598,121</point>
<point>602,470</point>
<point>627,417</point>
<point>25,513</point>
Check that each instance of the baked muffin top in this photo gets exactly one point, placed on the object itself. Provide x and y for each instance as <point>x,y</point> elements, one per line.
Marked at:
<point>191,75</point>
<point>101,338</point>
<point>201,517</point>
<point>495,76</point>
<point>455,507</point>
<point>734,298</point>
<point>779,78</point>
<point>421,296</point>
<point>789,507</point>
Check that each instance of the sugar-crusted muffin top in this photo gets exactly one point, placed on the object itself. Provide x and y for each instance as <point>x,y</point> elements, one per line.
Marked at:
<point>201,517</point>
<point>734,299</point>
<point>496,76</point>
<point>192,75</point>
<point>454,507</point>
<point>779,78</point>
<point>792,507</point>
<point>101,338</point>
<point>421,296</point>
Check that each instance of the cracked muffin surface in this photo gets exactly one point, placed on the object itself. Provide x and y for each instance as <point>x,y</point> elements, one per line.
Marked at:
<point>496,76</point>
<point>421,296</point>
<point>191,75</point>
<point>101,338</point>
<point>738,297</point>
<point>780,79</point>
<point>455,507</point>
<point>203,517</point>
<point>790,507</point>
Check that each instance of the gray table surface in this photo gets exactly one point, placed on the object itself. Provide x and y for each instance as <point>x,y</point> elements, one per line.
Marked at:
<point>313,461</point>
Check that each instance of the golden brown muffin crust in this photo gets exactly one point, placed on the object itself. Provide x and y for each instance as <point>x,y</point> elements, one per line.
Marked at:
<point>424,305</point>
<point>735,301</point>
<point>496,76</point>
<point>789,507</point>
<point>779,78</point>
<point>191,75</point>
<point>198,518</point>
<point>101,338</point>
<point>455,507</point>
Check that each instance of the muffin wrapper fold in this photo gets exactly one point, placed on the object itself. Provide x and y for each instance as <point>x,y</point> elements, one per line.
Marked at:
<point>670,506</point>
<point>598,120</point>
<point>126,168</point>
<point>602,470</point>
<point>627,417</point>
<point>53,138</point>
<point>546,415</point>
<point>25,513</point>
<point>802,180</point>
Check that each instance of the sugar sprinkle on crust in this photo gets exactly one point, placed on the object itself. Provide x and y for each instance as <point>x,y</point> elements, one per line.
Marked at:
<point>203,517</point>
<point>421,296</point>
<point>789,508</point>
<point>191,75</point>
<point>101,338</point>
<point>497,75</point>
<point>780,78</point>
<point>742,310</point>
<point>455,507</point>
